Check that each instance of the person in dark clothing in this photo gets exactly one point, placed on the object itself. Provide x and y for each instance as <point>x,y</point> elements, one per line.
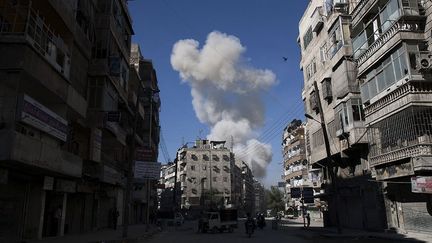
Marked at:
<point>308,220</point>
<point>115,215</point>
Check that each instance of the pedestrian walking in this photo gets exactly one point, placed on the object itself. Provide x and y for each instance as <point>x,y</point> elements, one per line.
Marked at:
<point>308,220</point>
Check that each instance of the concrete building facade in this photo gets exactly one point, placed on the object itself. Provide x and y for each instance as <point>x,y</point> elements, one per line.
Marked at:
<point>205,175</point>
<point>392,49</point>
<point>144,89</point>
<point>332,94</point>
<point>260,200</point>
<point>66,112</point>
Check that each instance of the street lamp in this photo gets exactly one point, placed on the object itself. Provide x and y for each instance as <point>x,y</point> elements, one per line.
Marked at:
<point>311,117</point>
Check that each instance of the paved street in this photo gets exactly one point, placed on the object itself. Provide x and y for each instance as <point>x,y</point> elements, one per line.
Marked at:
<point>290,231</point>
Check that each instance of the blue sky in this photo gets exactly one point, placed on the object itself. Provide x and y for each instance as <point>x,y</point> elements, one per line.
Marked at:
<point>268,30</point>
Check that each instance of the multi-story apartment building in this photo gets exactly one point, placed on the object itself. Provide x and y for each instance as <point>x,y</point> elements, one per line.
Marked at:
<point>332,97</point>
<point>44,139</point>
<point>205,175</point>
<point>260,203</point>
<point>247,199</point>
<point>298,174</point>
<point>294,158</point>
<point>392,49</point>
<point>66,115</point>
<point>166,194</point>
<point>144,91</point>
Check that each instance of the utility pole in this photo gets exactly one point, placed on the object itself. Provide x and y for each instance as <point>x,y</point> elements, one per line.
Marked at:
<point>211,179</point>
<point>150,144</point>
<point>175,183</point>
<point>329,160</point>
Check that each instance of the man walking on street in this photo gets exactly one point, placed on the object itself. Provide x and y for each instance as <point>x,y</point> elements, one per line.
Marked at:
<point>308,220</point>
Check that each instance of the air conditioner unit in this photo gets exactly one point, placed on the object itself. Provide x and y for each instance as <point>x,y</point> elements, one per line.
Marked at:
<point>424,62</point>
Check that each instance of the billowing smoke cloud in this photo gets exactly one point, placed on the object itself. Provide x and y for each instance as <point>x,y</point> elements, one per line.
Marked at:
<point>226,93</point>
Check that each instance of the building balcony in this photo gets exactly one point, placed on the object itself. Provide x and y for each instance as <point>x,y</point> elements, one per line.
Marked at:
<point>353,136</point>
<point>37,33</point>
<point>33,152</point>
<point>108,25</point>
<point>403,135</point>
<point>361,9</point>
<point>103,173</point>
<point>406,94</point>
<point>293,175</point>
<point>399,30</point>
<point>296,158</point>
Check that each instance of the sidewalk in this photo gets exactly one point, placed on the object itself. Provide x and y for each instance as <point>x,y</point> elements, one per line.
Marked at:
<point>136,233</point>
<point>331,232</point>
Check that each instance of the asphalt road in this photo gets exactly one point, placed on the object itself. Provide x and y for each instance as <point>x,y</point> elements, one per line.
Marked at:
<point>288,233</point>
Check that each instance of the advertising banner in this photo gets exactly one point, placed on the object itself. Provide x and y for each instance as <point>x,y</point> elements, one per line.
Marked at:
<point>421,184</point>
<point>147,170</point>
<point>36,115</point>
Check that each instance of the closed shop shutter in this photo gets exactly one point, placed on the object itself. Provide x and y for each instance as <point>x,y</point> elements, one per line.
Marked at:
<point>416,217</point>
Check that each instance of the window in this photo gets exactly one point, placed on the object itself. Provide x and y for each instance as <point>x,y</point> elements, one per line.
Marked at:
<point>307,38</point>
<point>205,157</point>
<point>215,157</point>
<point>310,69</point>
<point>327,89</point>
<point>192,167</point>
<point>392,69</point>
<point>225,179</point>
<point>336,40</point>
<point>385,17</point>
<point>194,157</point>
<point>215,179</point>
<point>323,50</point>
<point>357,110</point>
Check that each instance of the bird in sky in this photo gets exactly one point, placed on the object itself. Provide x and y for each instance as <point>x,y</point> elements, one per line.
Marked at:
<point>285,59</point>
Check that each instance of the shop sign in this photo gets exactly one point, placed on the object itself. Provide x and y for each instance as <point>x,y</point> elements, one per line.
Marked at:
<point>421,184</point>
<point>36,115</point>
<point>65,186</point>
<point>48,183</point>
<point>143,154</point>
<point>147,170</point>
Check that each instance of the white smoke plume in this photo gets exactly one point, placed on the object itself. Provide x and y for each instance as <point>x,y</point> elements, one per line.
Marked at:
<point>226,93</point>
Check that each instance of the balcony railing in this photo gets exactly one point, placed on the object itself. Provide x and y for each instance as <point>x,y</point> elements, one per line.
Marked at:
<point>364,54</point>
<point>27,22</point>
<point>405,134</point>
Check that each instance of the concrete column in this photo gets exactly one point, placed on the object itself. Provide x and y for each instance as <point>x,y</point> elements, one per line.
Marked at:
<point>42,214</point>
<point>63,215</point>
